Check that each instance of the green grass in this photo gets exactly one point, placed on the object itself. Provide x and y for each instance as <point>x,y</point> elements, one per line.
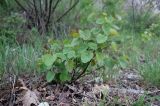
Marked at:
<point>140,101</point>
<point>20,59</point>
<point>143,56</point>
<point>150,71</point>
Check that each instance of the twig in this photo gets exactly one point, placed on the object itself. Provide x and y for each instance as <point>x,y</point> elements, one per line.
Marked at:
<point>74,70</point>
<point>12,100</point>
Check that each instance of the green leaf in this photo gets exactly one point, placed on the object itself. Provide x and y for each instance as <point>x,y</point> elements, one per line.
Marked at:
<point>92,45</point>
<point>95,31</point>
<point>100,20</point>
<point>69,52</point>
<point>66,50</point>
<point>41,65</point>
<point>123,64</point>
<point>91,17</point>
<point>85,35</point>
<point>114,46</point>
<point>55,46</point>
<point>82,48</point>
<point>86,56</point>
<point>105,29</point>
<point>75,42</point>
<point>110,63</point>
<point>113,32</point>
<point>69,65</point>
<point>64,76</point>
<point>101,38</point>
<point>61,56</point>
<point>123,60</point>
<point>67,43</point>
<point>50,76</point>
<point>100,58</point>
<point>48,59</point>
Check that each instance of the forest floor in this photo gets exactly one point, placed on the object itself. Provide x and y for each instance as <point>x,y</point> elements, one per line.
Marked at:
<point>127,90</point>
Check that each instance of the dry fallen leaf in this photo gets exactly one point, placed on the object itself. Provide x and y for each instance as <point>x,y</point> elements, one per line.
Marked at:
<point>51,98</point>
<point>30,98</point>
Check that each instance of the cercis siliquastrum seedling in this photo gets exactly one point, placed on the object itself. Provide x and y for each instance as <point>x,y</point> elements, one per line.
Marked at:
<point>72,59</point>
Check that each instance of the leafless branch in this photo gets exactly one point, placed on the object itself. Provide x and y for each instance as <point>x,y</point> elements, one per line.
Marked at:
<point>20,5</point>
<point>67,11</point>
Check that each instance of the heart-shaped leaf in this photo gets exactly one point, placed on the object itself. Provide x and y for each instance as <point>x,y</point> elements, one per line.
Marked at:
<point>85,35</point>
<point>101,38</point>
<point>100,20</point>
<point>86,56</point>
<point>69,52</point>
<point>92,45</point>
<point>48,59</point>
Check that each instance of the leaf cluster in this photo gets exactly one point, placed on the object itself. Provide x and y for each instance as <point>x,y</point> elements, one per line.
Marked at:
<point>69,60</point>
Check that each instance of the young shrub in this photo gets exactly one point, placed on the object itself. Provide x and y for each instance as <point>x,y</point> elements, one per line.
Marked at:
<point>70,60</point>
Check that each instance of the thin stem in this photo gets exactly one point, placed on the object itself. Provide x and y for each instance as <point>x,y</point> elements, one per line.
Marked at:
<point>99,68</point>
<point>83,72</point>
<point>74,70</point>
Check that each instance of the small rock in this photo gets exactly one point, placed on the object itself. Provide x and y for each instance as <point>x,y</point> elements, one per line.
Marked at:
<point>43,104</point>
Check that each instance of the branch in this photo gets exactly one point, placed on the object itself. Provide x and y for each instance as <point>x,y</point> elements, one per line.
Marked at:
<point>29,4</point>
<point>36,12</point>
<point>40,6</point>
<point>20,5</point>
<point>46,5</point>
<point>68,10</point>
<point>35,7</point>
<point>55,5</point>
<point>49,13</point>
